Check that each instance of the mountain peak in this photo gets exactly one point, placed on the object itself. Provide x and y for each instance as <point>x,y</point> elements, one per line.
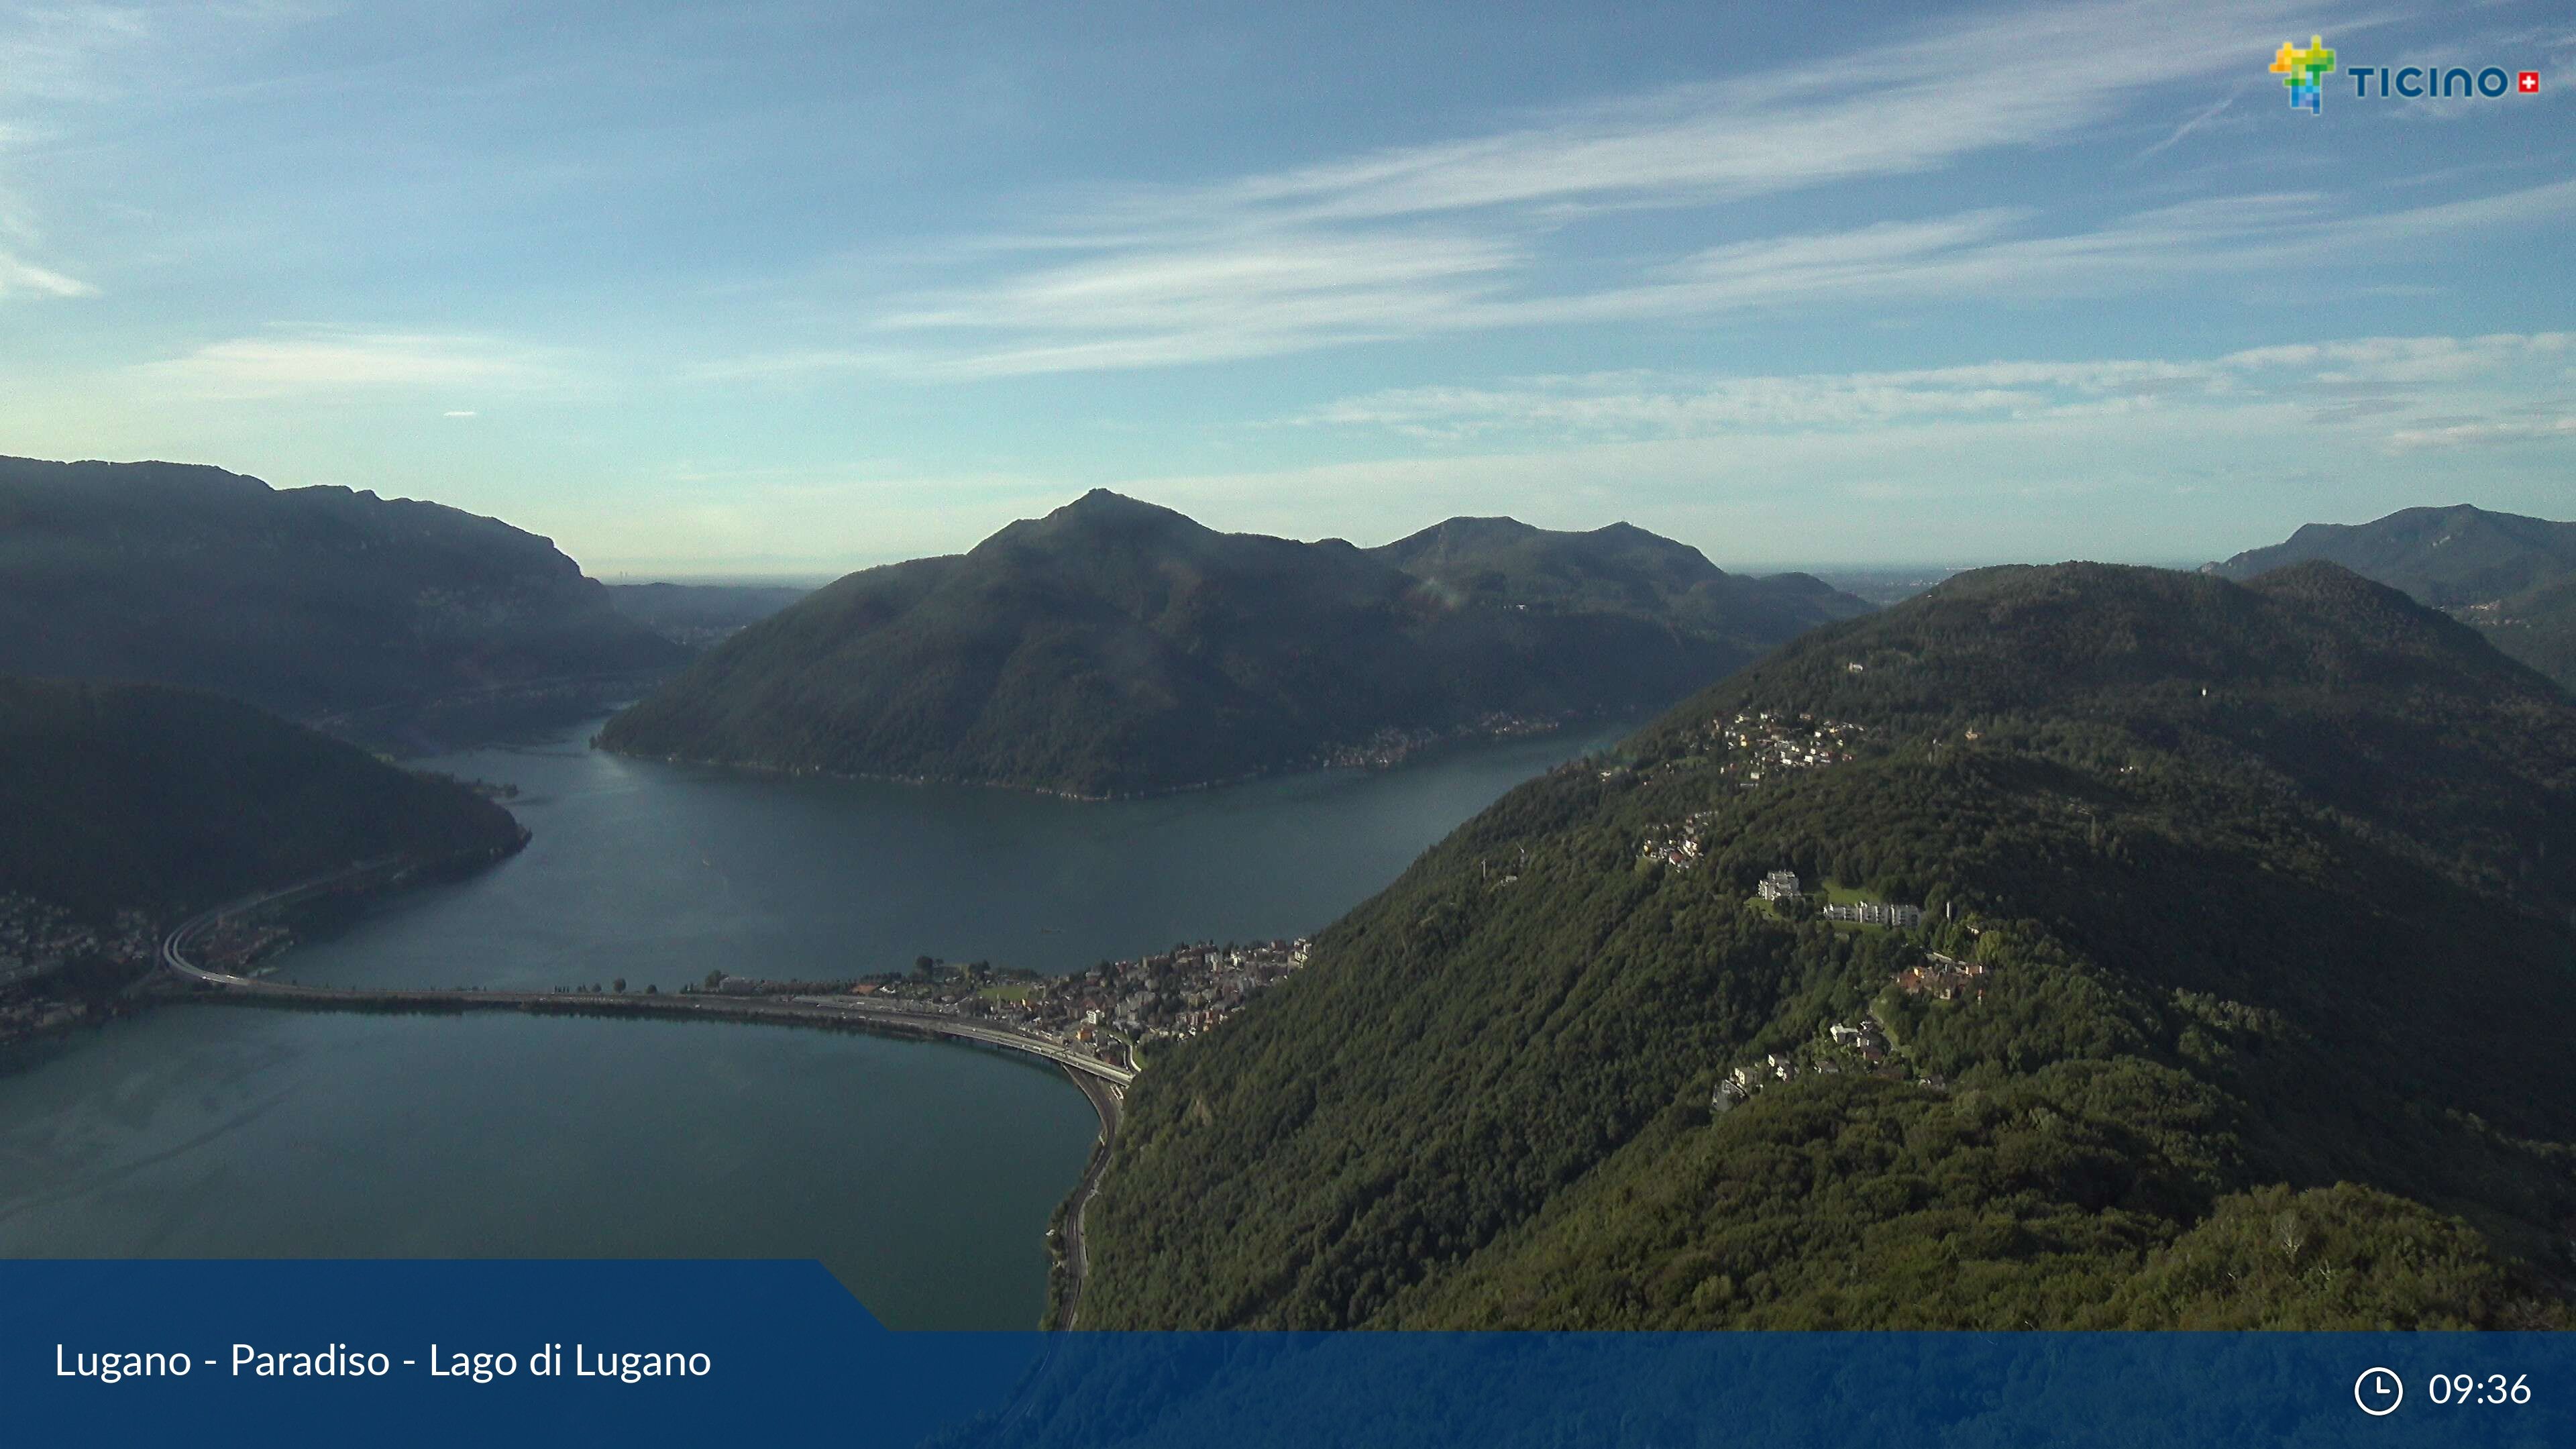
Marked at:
<point>1101,508</point>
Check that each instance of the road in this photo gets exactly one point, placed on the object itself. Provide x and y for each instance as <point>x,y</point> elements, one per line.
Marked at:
<point>849,1013</point>
<point>1109,1101</point>
<point>174,947</point>
<point>1105,1084</point>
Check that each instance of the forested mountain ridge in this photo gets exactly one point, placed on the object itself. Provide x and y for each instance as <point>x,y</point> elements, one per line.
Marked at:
<point>2251,905</point>
<point>1115,647</point>
<point>2510,577</point>
<point>309,602</point>
<point>1619,569</point>
<point>166,801</point>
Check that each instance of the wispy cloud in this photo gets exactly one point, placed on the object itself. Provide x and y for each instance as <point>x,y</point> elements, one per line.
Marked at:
<point>1475,233</point>
<point>57,53</point>
<point>336,362</point>
<point>2353,383</point>
<point>1914,105</point>
<point>2197,121</point>
<point>59,57</point>
<point>24,279</point>
<point>1267,295</point>
<point>2472,434</point>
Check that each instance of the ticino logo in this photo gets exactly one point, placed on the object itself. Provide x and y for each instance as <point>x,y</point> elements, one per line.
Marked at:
<point>2303,70</point>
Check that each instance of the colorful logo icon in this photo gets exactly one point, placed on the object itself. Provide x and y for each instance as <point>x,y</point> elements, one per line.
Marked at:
<point>2528,83</point>
<point>2303,69</point>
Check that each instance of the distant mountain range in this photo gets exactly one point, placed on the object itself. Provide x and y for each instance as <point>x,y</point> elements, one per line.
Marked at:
<point>1115,647</point>
<point>2240,998</point>
<point>2512,578</point>
<point>697,615</point>
<point>313,602</point>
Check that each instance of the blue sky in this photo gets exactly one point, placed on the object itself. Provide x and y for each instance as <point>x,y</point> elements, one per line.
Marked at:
<point>765,287</point>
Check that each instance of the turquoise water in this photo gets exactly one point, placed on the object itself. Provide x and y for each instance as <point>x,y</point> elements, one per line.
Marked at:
<point>922,1174</point>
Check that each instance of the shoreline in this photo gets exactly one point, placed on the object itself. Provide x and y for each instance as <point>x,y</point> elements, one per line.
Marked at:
<point>1308,767</point>
<point>1069,1260</point>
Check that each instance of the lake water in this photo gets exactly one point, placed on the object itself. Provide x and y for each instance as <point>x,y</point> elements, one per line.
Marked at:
<point>922,1174</point>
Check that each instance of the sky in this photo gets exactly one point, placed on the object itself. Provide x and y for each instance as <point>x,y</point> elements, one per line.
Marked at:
<point>787,288</point>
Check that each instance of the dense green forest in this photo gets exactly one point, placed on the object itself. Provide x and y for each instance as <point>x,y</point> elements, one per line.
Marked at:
<point>116,796</point>
<point>2270,893</point>
<point>1114,647</point>
<point>310,602</point>
<point>2510,577</point>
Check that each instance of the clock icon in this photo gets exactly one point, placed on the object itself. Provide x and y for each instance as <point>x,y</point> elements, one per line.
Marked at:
<point>2379,1391</point>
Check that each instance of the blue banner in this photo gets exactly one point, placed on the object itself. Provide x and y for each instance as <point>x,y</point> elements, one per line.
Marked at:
<point>558,1353</point>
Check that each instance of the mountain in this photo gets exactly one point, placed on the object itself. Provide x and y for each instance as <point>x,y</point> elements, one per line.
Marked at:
<point>1115,647</point>
<point>134,796</point>
<point>697,615</point>
<point>2507,575</point>
<point>2240,998</point>
<point>311,602</point>
<point>2536,626</point>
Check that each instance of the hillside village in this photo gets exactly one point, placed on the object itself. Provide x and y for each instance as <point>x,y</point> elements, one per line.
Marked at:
<point>1859,1048</point>
<point>1760,741</point>
<point>1746,748</point>
<point>1863,1046</point>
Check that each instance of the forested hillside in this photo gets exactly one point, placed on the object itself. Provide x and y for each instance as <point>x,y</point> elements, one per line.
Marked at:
<point>2241,997</point>
<point>2512,578</point>
<point>310,602</point>
<point>1114,647</point>
<point>166,801</point>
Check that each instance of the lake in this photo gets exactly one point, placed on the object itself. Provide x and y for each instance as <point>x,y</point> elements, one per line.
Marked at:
<point>921,1173</point>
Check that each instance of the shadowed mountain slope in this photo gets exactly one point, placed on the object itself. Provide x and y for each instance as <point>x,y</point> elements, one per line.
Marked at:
<point>1115,647</point>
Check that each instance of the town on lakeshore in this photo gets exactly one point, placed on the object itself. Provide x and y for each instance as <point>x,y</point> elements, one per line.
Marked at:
<point>58,971</point>
<point>1390,747</point>
<point>42,946</point>
<point>1108,1012</point>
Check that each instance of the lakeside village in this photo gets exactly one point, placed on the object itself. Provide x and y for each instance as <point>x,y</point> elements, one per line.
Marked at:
<point>1108,1011</point>
<point>40,943</point>
<point>1390,747</point>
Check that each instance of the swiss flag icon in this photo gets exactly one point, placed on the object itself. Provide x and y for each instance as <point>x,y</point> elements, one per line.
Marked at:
<point>2528,83</point>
